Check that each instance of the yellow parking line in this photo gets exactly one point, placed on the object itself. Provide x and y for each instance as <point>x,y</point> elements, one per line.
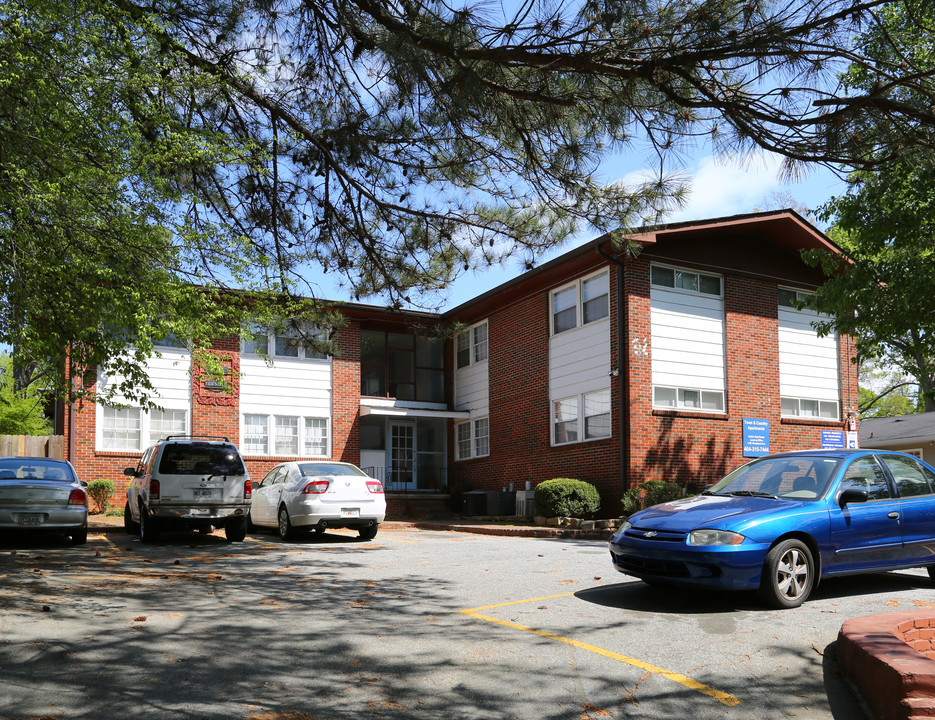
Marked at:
<point>721,697</point>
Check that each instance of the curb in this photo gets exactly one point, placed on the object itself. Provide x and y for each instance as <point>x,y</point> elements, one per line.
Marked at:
<point>895,680</point>
<point>98,524</point>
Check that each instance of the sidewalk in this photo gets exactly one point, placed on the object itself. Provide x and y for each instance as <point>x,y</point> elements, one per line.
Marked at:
<point>506,527</point>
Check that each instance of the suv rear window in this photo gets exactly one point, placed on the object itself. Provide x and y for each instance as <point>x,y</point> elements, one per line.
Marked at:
<point>200,459</point>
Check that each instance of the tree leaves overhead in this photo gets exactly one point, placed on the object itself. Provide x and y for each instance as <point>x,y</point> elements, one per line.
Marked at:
<point>393,145</point>
<point>884,296</point>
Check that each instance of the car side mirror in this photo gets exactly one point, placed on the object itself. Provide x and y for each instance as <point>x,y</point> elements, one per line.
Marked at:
<point>130,472</point>
<point>853,495</point>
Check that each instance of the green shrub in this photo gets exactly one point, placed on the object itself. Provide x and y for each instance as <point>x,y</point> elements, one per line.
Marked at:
<point>566,497</point>
<point>101,491</point>
<point>649,493</point>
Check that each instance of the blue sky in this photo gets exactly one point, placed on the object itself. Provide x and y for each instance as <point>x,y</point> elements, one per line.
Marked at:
<point>720,187</point>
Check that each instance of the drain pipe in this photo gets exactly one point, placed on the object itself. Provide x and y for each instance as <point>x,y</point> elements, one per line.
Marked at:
<point>622,372</point>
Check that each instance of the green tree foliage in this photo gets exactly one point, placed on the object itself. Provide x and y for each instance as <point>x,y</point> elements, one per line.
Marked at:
<point>884,296</point>
<point>22,410</point>
<point>886,392</point>
<point>149,151</point>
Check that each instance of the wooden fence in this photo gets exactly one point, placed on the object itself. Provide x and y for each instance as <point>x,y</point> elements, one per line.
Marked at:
<point>52,446</point>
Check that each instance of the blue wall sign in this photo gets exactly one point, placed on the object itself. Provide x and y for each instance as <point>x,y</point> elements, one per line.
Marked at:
<point>832,439</point>
<point>755,437</point>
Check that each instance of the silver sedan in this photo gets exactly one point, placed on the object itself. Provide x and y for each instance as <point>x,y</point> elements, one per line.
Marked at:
<point>315,495</point>
<point>43,494</point>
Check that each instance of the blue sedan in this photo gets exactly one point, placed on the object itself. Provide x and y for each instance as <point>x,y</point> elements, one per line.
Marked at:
<point>782,522</point>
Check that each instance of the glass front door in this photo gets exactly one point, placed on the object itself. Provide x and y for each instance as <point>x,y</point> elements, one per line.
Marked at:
<point>402,456</point>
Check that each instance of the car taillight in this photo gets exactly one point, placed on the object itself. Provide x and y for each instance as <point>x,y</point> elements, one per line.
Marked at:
<point>154,489</point>
<point>315,487</point>
<point>77,497</point>
<point>375,487</point>
<point>247,489</point>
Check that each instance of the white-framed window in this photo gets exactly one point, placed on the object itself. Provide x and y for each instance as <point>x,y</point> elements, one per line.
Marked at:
<point>472,438</point>
<point>792,298</point>
<point>163,423</point>
<point>121,429</point>
<point>285,435</point>
<point>581,417</point>
<point>283,343</point>
<point>809,408</point>
<point>677,398</point>
<point>255,435</point>
<point>584,301</point>
<point>596,414</point>
<point>686,280</point>
<point>471,345</point>
<point>133,429</point>
<point>481,437</point>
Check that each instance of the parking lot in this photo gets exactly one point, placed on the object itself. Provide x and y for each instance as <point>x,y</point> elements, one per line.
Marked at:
<point>414,624</point>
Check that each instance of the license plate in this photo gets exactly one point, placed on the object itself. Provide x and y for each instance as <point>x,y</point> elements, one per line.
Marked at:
<point>29,519</point>
<point>350,512</point>
<point>209,494</point>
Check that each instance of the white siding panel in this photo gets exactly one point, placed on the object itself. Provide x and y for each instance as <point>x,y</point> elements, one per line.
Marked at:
<point>808,364</point>
<point>687,340</point>
<point>169,375</point>
<point>579,360</point>
<point>288,386</point>
<point>472,389</point>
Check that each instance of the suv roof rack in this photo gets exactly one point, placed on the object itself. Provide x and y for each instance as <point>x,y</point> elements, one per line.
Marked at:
<point>196,437</point>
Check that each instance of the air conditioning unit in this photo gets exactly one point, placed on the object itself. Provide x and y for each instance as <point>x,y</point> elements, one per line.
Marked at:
<point>525,503</point>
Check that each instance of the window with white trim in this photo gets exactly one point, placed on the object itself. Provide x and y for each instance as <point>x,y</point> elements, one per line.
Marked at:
<point>687,280</point>
<point>285,435</point>
<point>581,417</point>
<point>809,408</point>
<point>472,438</point>
<point>471,345</point>
<point>133,429</point>
<point>286,342</point>
<point>121,429</point>
<point>688,399</point>
<point>585,301</point>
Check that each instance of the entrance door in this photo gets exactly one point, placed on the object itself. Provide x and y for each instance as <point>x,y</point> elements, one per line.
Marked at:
<point>402,455</point>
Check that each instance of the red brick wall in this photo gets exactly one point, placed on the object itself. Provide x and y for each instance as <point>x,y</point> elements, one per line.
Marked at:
<point>520,433</point>
<point>695,449</point>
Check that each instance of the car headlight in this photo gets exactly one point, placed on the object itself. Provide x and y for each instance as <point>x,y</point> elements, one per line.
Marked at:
<point>714,537</point>
<point>624,526</point>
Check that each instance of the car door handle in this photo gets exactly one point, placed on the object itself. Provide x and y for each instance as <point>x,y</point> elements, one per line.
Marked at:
<point>893,515</point>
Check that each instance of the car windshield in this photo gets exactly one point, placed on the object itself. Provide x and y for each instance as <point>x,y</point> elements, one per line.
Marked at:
<point>201,459</point>
<point>799,477</point>
<point>32,469</point>
<point>313,469</point>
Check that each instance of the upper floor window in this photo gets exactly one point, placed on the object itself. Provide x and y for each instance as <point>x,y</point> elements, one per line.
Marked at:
<point>687,280</point>
<point>402,366</point>
<point>285,342</point>
<point>471,345</point>
<point>792,298</point>
<point>585,416</point>
<point>134,429</point>
<point>583,302</point>
<point>808,408</point>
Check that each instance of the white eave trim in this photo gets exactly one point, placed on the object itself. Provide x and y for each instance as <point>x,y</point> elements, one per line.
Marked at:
<point>396,408</point>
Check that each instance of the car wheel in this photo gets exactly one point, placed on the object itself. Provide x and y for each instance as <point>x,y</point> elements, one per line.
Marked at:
<point>128,524</point>
<point>149,528</point>
<point>368,533</point>
<point>236,530</point>
<point>788,575</point>
<point>284,525</point>
<point>79,537</point>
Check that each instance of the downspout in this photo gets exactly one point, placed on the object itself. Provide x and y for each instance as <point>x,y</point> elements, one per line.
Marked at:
<point>622,373</point>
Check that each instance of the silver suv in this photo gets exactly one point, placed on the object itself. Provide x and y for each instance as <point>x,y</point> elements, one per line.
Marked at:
<point>190,482</point>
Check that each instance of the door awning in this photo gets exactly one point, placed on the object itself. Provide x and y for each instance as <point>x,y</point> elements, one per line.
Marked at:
<point>395,409</point>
